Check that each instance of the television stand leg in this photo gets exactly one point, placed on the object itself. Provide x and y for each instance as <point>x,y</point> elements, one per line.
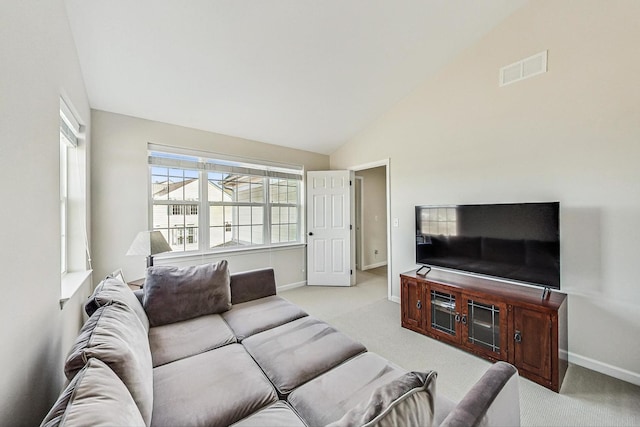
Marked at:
<point>546,293</point>
<point>420,270</point>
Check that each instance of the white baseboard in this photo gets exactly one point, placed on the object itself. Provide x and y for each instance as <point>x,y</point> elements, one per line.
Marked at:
<point>603,368</point>
<point>292,286</point>
<point>395,299</point>
<point>376,265</point>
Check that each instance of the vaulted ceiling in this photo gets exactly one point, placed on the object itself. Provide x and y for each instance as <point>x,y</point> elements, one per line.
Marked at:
<point>308,74</point>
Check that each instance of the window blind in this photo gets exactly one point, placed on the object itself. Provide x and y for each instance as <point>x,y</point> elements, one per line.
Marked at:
<point>224,166</point>
<point>69,126</point>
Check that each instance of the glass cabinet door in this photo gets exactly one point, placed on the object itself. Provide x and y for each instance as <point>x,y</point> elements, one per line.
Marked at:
<point>485,327</point>
<point>443,310</point>
<point>444,316</point>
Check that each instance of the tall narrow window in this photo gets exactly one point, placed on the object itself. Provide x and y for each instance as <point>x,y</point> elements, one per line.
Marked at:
<point>208,204</point>
<point>69,131</point>
<point>64,190</point>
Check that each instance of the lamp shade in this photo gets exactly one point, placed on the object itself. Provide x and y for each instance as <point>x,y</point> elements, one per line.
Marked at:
<point>149,243</point>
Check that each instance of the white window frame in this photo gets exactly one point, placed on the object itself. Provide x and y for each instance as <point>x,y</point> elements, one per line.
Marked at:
<point>69,134</point>
<point>205,163</point>
<point>64,193</point>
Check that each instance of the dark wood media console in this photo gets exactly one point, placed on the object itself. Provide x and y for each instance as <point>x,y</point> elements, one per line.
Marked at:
<point>492,319</point>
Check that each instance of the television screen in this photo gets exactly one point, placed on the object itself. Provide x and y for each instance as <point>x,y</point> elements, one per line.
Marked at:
<point>516,241</point>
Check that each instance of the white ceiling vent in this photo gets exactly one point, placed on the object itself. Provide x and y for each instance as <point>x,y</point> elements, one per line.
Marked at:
<point>523,69</point>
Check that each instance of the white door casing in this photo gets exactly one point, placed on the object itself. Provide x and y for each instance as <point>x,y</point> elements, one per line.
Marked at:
<point>329,228</point>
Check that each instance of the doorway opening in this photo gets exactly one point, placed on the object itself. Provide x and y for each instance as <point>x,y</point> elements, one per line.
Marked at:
<point>372,212</point>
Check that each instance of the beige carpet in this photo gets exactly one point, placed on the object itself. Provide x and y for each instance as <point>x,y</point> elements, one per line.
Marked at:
<point>587,398</point>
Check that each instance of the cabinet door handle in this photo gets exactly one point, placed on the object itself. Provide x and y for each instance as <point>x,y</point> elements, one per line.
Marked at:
<point>419,305</point>
<point>464,319</point>
<point>457,318</point>
<point>517,337</point>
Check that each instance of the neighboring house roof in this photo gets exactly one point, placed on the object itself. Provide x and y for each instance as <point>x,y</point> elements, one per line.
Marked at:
<point>231,244</point>
<point>161,189</point>
<point>173,186</point>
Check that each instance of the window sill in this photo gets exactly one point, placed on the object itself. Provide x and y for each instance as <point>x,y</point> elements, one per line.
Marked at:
<point>255,249</point>
<point>70,284</point>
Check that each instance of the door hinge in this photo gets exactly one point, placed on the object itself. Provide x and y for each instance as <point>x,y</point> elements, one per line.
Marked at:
<point>351,272</point>
<point>350,227</point>
<point>350,183</point>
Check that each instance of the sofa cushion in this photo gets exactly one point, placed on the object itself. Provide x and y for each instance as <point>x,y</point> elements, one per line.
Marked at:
<point>299,351</point>
<point>330,396</point>
<point>187,338</point>
<point>96,397</point>
<point>278,414</point>
<point>112,289</point>
<point>172,294</point>
<point>115,335</point>
<point>405,401</point>
<point>215,388</point>
<point>255,316</point>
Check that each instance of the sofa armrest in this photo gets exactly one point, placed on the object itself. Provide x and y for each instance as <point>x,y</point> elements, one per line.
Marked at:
<point>254,284</point>
<point>493,401</point>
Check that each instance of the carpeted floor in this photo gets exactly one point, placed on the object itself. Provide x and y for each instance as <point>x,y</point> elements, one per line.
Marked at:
<point>587,398</point>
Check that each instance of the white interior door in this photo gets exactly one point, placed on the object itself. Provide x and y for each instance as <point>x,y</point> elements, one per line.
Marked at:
<point>329,228</point>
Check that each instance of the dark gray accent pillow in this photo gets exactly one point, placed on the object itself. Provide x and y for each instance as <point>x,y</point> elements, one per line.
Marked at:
<point>407,401</point>
<point>172,294</point>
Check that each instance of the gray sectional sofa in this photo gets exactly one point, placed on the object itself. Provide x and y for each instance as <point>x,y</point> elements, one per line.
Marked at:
<point>200,347</point>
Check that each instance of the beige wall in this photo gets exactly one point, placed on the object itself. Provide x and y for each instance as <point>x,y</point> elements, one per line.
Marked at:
<point>374,217</point>
<point>571,135</point>
<point>38,65</point>
<point>119,192</point>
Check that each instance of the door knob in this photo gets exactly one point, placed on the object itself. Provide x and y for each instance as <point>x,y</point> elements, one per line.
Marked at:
<point>310,233</point>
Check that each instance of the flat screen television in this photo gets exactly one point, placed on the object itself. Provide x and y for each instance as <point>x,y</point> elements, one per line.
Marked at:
<point>515,241</point>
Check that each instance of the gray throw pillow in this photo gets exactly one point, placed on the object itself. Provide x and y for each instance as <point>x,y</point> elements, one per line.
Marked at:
<point>405,401</point>
<point>172,294</point>
<point>96,397</point>
<point>114,289</point>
